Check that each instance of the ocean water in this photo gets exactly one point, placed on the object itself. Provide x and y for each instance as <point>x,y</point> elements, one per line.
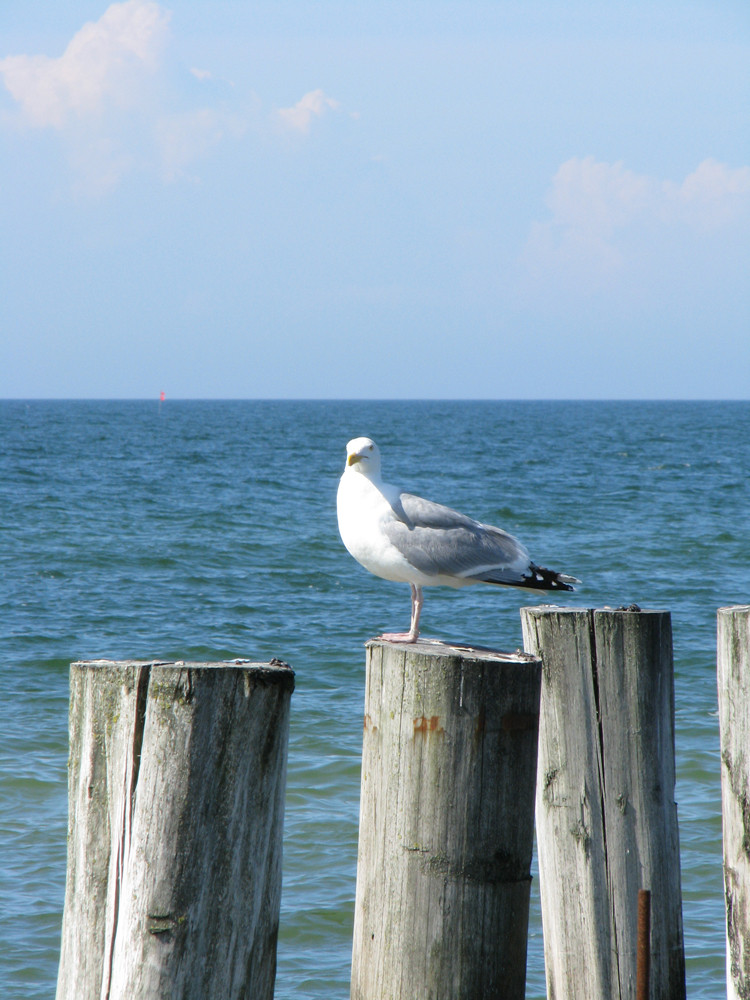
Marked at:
<point>207,530</point>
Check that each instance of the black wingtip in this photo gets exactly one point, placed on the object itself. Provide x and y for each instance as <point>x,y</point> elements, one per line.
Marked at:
<point>540,578</point>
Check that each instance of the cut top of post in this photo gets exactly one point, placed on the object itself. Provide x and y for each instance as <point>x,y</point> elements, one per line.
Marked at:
<point>436,648</point>
<point>273,672</point>
<point>539,610</point>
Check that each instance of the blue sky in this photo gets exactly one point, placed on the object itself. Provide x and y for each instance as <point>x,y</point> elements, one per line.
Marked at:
<point>375,199</point>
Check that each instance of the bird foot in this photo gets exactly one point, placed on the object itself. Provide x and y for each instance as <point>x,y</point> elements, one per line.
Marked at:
<point>398,637</point>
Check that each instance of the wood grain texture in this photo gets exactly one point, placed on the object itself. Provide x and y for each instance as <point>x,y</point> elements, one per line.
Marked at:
<point>605,814</point>
<point>176,791</point>
<point>733,674</point>
<point>446,823</point>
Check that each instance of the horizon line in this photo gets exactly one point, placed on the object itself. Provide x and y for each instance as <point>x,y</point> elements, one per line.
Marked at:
<point>372,399</point>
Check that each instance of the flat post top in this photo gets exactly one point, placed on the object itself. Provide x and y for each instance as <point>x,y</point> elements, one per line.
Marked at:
<point>540,610</point>
<point>275,671</point>
<point>437,648</point>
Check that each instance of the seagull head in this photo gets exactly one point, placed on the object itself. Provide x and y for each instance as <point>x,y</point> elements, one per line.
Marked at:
<point>363,456</point>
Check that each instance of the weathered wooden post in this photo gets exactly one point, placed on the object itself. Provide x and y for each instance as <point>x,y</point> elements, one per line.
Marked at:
<point>446,823</point>
<point>733,663</point>
<point>606,819</point>
<point>176,788</point>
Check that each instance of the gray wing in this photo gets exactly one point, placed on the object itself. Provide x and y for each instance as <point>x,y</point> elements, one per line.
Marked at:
<point>439,541</point>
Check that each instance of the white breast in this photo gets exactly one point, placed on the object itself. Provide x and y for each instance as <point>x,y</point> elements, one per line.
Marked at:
<point>363,510</point>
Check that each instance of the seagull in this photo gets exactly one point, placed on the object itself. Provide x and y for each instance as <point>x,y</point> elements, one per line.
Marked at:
<point>402,537</point>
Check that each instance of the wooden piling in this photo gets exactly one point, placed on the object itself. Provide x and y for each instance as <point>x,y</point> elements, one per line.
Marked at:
<point>733,673</point>
<point>606,819</point>
<point>176,788</point>
<point>446,823</point>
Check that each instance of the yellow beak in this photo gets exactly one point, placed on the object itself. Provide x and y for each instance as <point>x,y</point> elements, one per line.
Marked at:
<point>353,459</point>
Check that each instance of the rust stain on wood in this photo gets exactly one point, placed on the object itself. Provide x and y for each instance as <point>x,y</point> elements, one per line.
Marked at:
<point>369,724</point>
<point>424,725</point>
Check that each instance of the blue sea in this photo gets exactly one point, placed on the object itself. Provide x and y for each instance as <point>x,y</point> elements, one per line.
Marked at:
<point>207,530</point>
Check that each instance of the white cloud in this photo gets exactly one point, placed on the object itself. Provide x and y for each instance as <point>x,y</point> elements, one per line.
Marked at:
<point>596,197</point>
<point>115,110</point>
<point>299,117</point>
<point>713,195</point>
<point>103,62</point>
<point>601,213</point>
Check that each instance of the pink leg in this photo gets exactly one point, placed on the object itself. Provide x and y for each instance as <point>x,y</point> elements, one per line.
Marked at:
<point>417,600</point>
